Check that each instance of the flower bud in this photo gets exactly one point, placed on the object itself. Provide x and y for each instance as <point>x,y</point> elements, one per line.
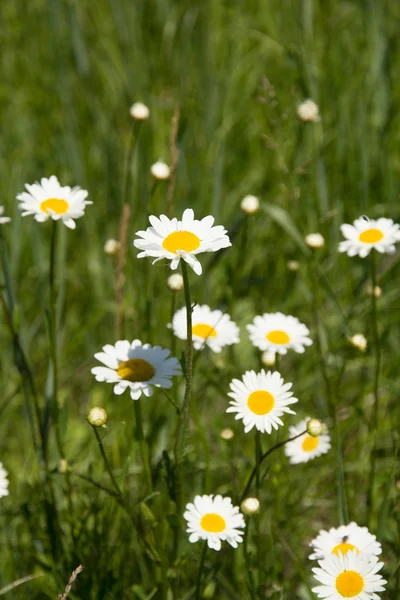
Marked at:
<point>359,341</point>
<point>97,417</point>
<point>268,358</point>
<point>160,171</point>
<point>227,434</point>
<point>315,240</point>
<point>376,291</point>
<point>293,265</point>
<point>62,465</point>
<point>308,111</point>
<point>316,428</point>
<point>112,247</point>
<point>175,282</point>
<point>250,506</point>
<point>139,111</point>
<point>250,205</point>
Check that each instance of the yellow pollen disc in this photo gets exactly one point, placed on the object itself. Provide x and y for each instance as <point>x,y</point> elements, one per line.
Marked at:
<point>135,369</point>
<point>278,337</point>
<point>349,584</point>
<point>261,402</point>
<point>370,236</point>
<point>203,330</point>
<point>310,443</point>
<point>56,205</point>
<point>344,548</point>
<point>213,523</point>
<point>181,240</point>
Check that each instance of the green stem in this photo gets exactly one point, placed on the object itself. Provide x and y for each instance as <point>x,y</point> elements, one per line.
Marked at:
<point>200,571</point>
<point>106,463</point>
<point>277,361</point>
<point>262,458</point>
<point>375,412</point>
<point>258,453</point>
<point>184,416</point>
<point>143,446</point>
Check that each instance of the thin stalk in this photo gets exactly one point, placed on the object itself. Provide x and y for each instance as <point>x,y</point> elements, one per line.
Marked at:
<point>375,412</point>
<point>143,446</point>
<point>258,453</point>
<point>251,585</point>
<point>200,571</point>
<point>184,416</point>
<point>262,458</point>
<point>106,463</point>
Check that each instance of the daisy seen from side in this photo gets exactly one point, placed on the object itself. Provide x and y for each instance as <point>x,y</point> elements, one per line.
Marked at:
<point>279,333</point>
<point>260,399</point>
<point>175,240</point>
<point>214,519</point>
<point>3,219</point>
<point>210,328</point>
<point>350,576</point>
<point>344,539</point>
<point>50,200</point>
<point>137,367</point>
<point>369,234</point>
<point>3,481</point>
<point>306,447</point>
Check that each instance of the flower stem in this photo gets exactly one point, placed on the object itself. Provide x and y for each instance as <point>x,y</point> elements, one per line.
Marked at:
<point>200,571</point>
<point>375,413</point>
<point>106,463</point>
<point>258,453</point>
<point>143,446</point>
<point>184,416</point>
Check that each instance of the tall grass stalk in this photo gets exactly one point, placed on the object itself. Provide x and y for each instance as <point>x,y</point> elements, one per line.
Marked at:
<point>143,446</point>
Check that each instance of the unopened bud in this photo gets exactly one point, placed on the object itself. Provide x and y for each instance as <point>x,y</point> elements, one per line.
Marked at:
<point>139,111</point>
<point>315,240</point>
<point>227,434</point>
<point>250,506</point>
<point>293,265</point>
<point>359,341</point>
<point>250,204</point>
<point>112,247</point>
<point>308,111</point>
<point>175,282</point>
<point>97,417</point>
<point>376,291</point>
<point>316,428</point>
<point>268,358</point>
<point>63,465</point>
<point>160,170</point>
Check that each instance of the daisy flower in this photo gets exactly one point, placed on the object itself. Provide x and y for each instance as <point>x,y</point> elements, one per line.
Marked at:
<point>136,366</point>
<point>344,539</point>
<point>306,447</point>
<point>3,481</point>
<point>3,220</point>
<point>366,234</point>
<point>279,333</point>
<point>260,399</point>
<point>214,518</point>
<point>49,200</point>
<point>350,576</point>
<point>210,328</point>
<point>173,239</point>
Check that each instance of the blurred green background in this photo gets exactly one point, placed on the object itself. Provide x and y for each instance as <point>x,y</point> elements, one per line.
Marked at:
<point>235,73</point>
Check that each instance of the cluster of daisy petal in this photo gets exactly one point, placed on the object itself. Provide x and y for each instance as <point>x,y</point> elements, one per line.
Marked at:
<point>348,563</point>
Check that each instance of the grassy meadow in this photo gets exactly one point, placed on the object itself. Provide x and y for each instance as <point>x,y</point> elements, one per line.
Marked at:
<point>223,81</point>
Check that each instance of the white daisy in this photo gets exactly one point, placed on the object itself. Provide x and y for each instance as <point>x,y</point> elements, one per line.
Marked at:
<point>305,447</point>
<point>49,200</point>
<point>210,328</point>
<point>3,220</point>
<point>279,333</point>
<point>173,239</point>
<point>3,481</point>
<point>136,366</point>
<point>344,539</point>
<point>214,518</point>
<point>350,576</point>
<point>366,234</point>
<point>260,399</point>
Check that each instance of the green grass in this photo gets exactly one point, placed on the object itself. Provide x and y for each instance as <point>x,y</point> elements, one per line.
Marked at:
<point>237,71</point>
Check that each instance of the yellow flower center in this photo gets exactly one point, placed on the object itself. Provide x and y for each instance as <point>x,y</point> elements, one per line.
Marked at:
<point>310,443</point>
<point>344,547</point>
<point>203,330</point>
<point>135,369</point>
<point>370,236</point>
<point>349,584</point>
<point>181,240</point>
<point>278,337</point>
<point>57,205</point>
<point>213,523</point>
<point>261,402</point>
